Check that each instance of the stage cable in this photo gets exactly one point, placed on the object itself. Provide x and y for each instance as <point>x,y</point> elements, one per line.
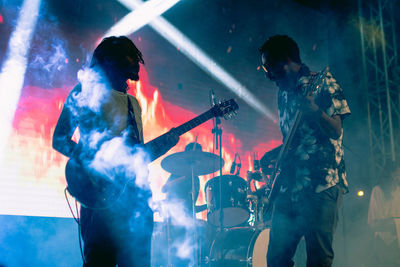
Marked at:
<point>70,208</point>
<point>77,220</point>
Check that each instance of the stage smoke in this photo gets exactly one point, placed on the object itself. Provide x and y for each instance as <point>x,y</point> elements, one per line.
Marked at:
<point>93,90</point>
<point>183,231</point>
<point>50,59</point>
<point>116,159</point>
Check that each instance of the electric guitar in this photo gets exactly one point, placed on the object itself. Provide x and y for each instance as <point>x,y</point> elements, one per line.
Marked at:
<point>274,183</point>
<point>98,191</point>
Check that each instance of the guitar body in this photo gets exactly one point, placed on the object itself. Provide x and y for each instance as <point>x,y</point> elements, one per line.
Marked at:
<point>90,188</point>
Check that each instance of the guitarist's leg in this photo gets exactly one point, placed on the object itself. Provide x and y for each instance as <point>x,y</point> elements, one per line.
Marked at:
<point>99,250</point>
<point>323,218</point>
<point>286,232</point>
<point>135,246</point>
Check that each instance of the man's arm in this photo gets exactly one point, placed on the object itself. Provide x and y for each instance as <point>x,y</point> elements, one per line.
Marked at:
<point>331,125</point>
<point>63,132</point>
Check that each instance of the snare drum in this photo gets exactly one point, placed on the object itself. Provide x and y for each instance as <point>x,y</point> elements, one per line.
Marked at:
<point>240,247</point>
<point>234,200</point>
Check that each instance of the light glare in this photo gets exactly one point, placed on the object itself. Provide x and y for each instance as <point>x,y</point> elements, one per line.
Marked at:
<point>13,69</point>
<point>201,59</point>
<point>142,15</point>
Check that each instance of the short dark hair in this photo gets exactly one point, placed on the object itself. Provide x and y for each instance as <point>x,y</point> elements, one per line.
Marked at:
<point>115,48</point>
<point>280,48</point>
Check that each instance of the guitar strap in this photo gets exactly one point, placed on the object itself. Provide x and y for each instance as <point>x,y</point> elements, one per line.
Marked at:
<point>131,123</point>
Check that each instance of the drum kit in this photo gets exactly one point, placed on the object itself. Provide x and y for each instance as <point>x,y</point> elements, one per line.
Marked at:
<point>236,232</point>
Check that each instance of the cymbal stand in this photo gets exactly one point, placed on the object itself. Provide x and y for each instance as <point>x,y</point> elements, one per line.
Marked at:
<point>217,132</point>
<point>196,252</point>
<point>169,239</point>
<point>217,143</point>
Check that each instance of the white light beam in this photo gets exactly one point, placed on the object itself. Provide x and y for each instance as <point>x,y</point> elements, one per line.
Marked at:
<point>13,69</point>
<point>200,58</point>
<point>142,15</point>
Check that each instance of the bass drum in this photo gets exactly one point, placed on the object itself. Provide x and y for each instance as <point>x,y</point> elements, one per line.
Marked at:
<point>233,197</point>
<point>240,247</point>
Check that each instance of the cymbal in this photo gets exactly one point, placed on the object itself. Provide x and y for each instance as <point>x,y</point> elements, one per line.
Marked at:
<point>182,163</point>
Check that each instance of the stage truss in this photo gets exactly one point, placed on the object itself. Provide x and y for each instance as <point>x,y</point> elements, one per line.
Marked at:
<point>381,79</point>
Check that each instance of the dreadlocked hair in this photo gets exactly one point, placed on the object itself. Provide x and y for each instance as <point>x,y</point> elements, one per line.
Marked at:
<point>115,49</point>
<point>280,48</point>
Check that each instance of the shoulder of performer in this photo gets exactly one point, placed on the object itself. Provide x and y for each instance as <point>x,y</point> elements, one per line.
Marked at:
<point>337,100</point>
<point>135,102</point>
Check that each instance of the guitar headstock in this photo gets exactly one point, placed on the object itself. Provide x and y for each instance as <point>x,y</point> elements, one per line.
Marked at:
<point>226,108</point>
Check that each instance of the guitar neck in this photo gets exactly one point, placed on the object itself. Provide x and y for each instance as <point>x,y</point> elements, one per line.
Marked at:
<point>282,153</point>
<point>193,123</point>
<point>157,147</point>
<point>289,137</point>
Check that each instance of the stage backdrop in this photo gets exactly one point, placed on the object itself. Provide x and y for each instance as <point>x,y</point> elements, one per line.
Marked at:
<point>33,179</point>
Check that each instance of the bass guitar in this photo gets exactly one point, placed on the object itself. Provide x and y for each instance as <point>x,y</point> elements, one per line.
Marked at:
<point>98,191</point>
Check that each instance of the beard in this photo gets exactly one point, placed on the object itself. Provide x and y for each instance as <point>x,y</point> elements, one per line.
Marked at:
<point>134,76</point>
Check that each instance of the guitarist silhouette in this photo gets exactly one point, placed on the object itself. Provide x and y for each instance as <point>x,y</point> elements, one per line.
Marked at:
<point>109,119</point>
<point>107,169</point>
<point>308,176</point>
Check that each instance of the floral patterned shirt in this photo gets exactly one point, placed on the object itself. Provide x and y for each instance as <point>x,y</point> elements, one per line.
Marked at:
<point>315,160</point>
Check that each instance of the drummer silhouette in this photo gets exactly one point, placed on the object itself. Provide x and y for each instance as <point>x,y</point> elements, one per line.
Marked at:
<point>178,187</point>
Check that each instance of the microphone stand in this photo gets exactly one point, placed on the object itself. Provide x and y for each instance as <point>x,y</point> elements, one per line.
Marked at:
<point>218,140</point>
<point>217,132</point>
<point>196,251</point>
